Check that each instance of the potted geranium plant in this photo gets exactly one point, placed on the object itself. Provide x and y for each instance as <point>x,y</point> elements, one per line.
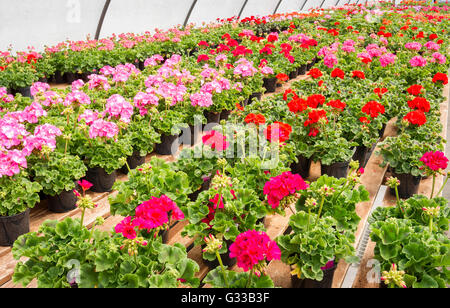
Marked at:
<point>317,264</point>
<point>224,211</point>
<point>17,195</point>
<point>152,179</point>
<point>57,173</point>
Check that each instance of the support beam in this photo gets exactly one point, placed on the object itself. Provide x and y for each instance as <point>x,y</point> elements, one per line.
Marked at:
<point>102,18</point>
<point>242,8</point>
<point>186,20</point>
<point>303,5</point>
<point>337,2</point>
<point>322,3</point>
<point>276,8</point>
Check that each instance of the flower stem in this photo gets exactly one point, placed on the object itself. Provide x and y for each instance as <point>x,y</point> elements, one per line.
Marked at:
<point>398,201</point>
<point>443,185</point>
<point>249,281</point>
<point>309,216</point>
<point>432,187</point>
<point>223,268</point>
<point>82,217</point>
<point>431,224</point>
<point>320,209</point>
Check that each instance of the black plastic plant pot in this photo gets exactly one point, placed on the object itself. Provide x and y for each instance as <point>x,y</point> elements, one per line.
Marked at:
<point>381,132</point>
<point>11,227</point>
<point>309,66</point>
<point>225,114</point>
<point>325,283</point>
<point>337,170</point>
<point>63,202</point>
<point>212,117</point>
<point>409,185</point>
<point>133,162</point>
<point>302,166</point>
<point>302,70</point>
<point>270,84</point>
<point>258,96</point>
<point>71,77</point>
<point>100,179</point>
<point>25,91</point>
<point>43,79</point>
<point>59,77</point>
<point>362,155</point>
<point>246,102</point>
<point>168,146</point>
<point>293,74</point>
<point>84,76</point>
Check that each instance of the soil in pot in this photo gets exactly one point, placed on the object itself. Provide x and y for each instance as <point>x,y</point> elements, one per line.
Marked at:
<point>168,146</point>
<point>270,84</point>
<point>293,74</point>
<point>100,179</point>
<point>409,185</point>
<point>63,202</point>
<point>11,227</point>
<point>133,162</point>
<point>301,167</point>
<point>337,170</point>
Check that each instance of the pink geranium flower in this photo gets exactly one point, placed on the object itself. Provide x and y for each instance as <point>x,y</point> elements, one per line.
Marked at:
<point>216,140</point>
<point>435,160</point>
<point>252,247</point>
<point>281,186</point>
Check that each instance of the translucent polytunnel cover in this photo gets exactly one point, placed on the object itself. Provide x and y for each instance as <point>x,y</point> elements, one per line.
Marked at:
<point>47,22</point>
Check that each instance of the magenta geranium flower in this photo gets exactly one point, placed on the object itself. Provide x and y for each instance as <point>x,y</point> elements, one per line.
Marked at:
<point>252,247</point>
<point>216,140</point>
<point>85,185</point>
<point>435,160</point>
<point>281,186</point>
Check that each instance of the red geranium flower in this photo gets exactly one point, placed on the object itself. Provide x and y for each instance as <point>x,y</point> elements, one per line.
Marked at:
<point>419,103</point>
<point>315,73</point>
<point>337,104</point>
<point>373,108</point>
<point>314,117</point>
<point>415,89</point>
<point>416,117</point>
<point>364,120</point>
<point>440,77</point>
<point>278,131</point>
<point>337,73</point>
<point>282,77</point>
<point>358,74</point>
<point>315,100</point>
<point>380,91</point>
<point>297,105</point>
<point>255,118</point>
<point>287,92</point>
<point>202,58</point>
